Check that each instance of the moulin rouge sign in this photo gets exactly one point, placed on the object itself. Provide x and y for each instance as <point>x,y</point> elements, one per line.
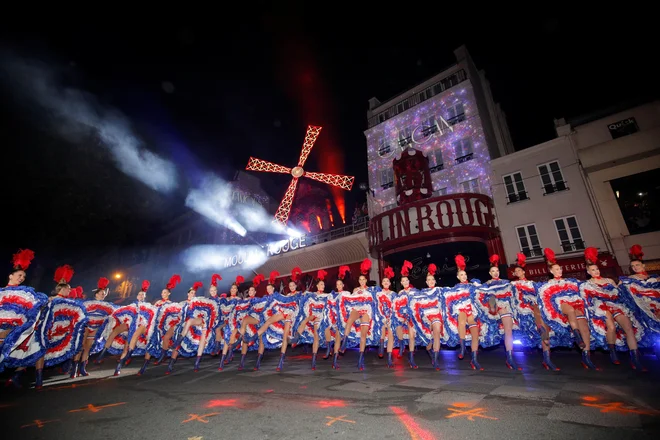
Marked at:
<point>291,244</point>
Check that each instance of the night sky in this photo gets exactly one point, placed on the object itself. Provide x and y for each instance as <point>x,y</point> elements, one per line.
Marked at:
<point>207,95</point>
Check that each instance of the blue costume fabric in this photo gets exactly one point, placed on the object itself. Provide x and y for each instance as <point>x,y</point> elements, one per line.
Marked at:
<point>312,307</point>
<point>62,329</point>
<point>98,317</point>
<point>643,296</point>
<point>426,308</point>
<point>458,299</point>
<point>205,309</point>
<point>124,315</point>
<point>20,308</point>
<point>169,316</point>
<point>226,306</point>
<point>385,309</point>
<point>146,318</point>
<point>288,306</point>
<point>525,301</point>
<point>502,292</point>
<point>362,301</point>
<point>402,316</point>
<point>330,319</point>
<point>552,294</point>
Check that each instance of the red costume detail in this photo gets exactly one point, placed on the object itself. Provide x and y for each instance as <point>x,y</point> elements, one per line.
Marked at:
<point>296,273</point>
<point>215,278</point>
<point>176,279</point>
<point>388,273</point>
<point>343,270</point>
<point>321,274</point>
<point>460,262</point>
<point>365,266</point>
<point>22,259</point>
<point>102,283</point>
<point>258,280</point>
<point>432,269</point>
<point>145,285</point>
<point>197,285</point>
<point>273,276</point>
<point>63,274</point>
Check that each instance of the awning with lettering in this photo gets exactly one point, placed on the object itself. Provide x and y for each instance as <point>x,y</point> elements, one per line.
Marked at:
<point>341,251</point>
<point>574,267</point>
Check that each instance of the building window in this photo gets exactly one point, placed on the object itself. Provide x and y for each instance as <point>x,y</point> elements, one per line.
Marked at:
<point>552,178</point>
<point>455,114</point>
<point>569,234</point>
<point>383,148</point>
<point>429,127</point>
<point>470,186</point>
<point>638,197</point>
<point>405,136</point>
<point>463,150</point>
<point>515,187</point>
<point>529,241</point>
<point>439,163</point>
<point>387,178</point>
<point>440,192</point>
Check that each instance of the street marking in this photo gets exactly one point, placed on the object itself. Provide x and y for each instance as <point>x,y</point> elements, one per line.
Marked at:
<point>95,409</point>
<point>617,407</point>
<point>39,423</point>
<point>470,413</point>
<point>200,418</point>
<point>416,432</point>
<point>338,419</point>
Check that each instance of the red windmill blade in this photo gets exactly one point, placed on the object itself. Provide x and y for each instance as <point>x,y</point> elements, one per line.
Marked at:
<point>338,180</point>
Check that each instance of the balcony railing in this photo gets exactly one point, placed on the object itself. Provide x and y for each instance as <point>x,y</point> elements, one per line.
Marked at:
<point>445,217</point>
<point>517,197</point>
<point>533,252</point>
<point>574,246</point>
<point>464,158</point>
<point>360,225</point>
<point>555,187</point>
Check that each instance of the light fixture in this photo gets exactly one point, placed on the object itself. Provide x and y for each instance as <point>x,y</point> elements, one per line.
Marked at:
<point>428,255</point>
<point>117,276</point>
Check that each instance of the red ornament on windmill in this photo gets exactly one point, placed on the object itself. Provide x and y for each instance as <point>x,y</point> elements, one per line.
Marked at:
<point>338,180</point>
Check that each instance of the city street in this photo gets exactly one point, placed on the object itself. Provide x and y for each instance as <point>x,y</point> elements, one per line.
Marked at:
<point>298,403</point>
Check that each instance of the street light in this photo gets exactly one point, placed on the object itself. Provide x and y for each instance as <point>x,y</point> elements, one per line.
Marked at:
<point>117,276</point>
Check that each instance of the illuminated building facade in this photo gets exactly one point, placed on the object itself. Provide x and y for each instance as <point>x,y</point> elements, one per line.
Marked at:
<point>453,120</point>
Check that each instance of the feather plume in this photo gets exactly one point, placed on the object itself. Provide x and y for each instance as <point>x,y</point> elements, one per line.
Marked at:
<point>197,285</point>
<point>239,280</point>
<point>521,259</point>
<point>432,269</point>
<point>215,278</point>
<point>23,258</point>
<point>550,256</point>
<point>102,283</point>
<point>321,274</point>
<point>296,274</point>
<point>176,279</point>
<point>388,273</point>
<point>343,270</point>
<point>636,252</point>
<point>273,276</point>
<point>460,262</point>
<point>63,274</point>
<point>258,280</point>
<point>145,285</point>
<point>494,260</point>
<point>365,266</point>
<point>591,255</point>
<point>405,269</point>
<point>77,293</point>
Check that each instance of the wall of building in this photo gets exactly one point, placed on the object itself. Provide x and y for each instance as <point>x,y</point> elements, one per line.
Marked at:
<point>605,158</point>
<point>540,209</point>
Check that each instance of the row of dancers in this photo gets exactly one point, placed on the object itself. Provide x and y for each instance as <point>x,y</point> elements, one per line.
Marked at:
<point>41,331</point>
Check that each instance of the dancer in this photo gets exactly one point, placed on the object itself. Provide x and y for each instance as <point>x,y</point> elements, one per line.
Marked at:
<point>98,312</point>
<point>312,308</point>
<point>602,296</point>
<point>242,316</point>
<point>256,318</point>
<point>360,303</point>
<point>189,320</point>
<point>561,304</point>
<point>213,294</point>
<point>227,306</point>
<point>531,320</point>
<point>164,297</point>
<point>384,299</point>
<point>499,294</point>
<point>460,313</point>
<point>426,307</point>
<point>144,317</point>
<point>403,316</point>
<point>331,318</point>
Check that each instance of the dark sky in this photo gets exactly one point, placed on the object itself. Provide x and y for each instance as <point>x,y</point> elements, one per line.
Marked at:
<point>241,85</point>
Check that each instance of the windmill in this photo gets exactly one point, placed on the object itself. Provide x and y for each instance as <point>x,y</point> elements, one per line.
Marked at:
<point>338,180</point>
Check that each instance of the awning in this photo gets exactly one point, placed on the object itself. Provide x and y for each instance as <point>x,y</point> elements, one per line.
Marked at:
<point>341,251</point>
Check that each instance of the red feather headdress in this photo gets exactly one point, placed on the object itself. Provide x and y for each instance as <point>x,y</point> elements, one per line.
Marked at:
<point>494,260</point>
<point>460,262</point>
<point>239,280</point>
<point>102,283</point>
<point>215,278</point>
<point>22,259</point>
<point>388,273</point>
<point>77,293</point>
<point>636,252</point>
<point>591,255</point>
<point>145,286</point>
<point>521,259</point>
<point>63,274</point>
<point>296,273</point>
<point>174,280</point>
<point>365,266</point>
<point>550,256</point>
<point>405,269</point>
<point>273,276</point>
<point>197,285</point>
<point>258,280</point>
<point>321,274</point>
<point>343,270</point>
<point>432,269</point>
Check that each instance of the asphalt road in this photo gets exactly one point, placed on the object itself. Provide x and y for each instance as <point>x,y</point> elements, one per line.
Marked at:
<point>298,403</point>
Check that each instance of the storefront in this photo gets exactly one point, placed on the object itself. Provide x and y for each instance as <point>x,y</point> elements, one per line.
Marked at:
<point>574,267</point>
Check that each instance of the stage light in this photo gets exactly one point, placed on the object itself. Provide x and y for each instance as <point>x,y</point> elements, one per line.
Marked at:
<point>117,276</point>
